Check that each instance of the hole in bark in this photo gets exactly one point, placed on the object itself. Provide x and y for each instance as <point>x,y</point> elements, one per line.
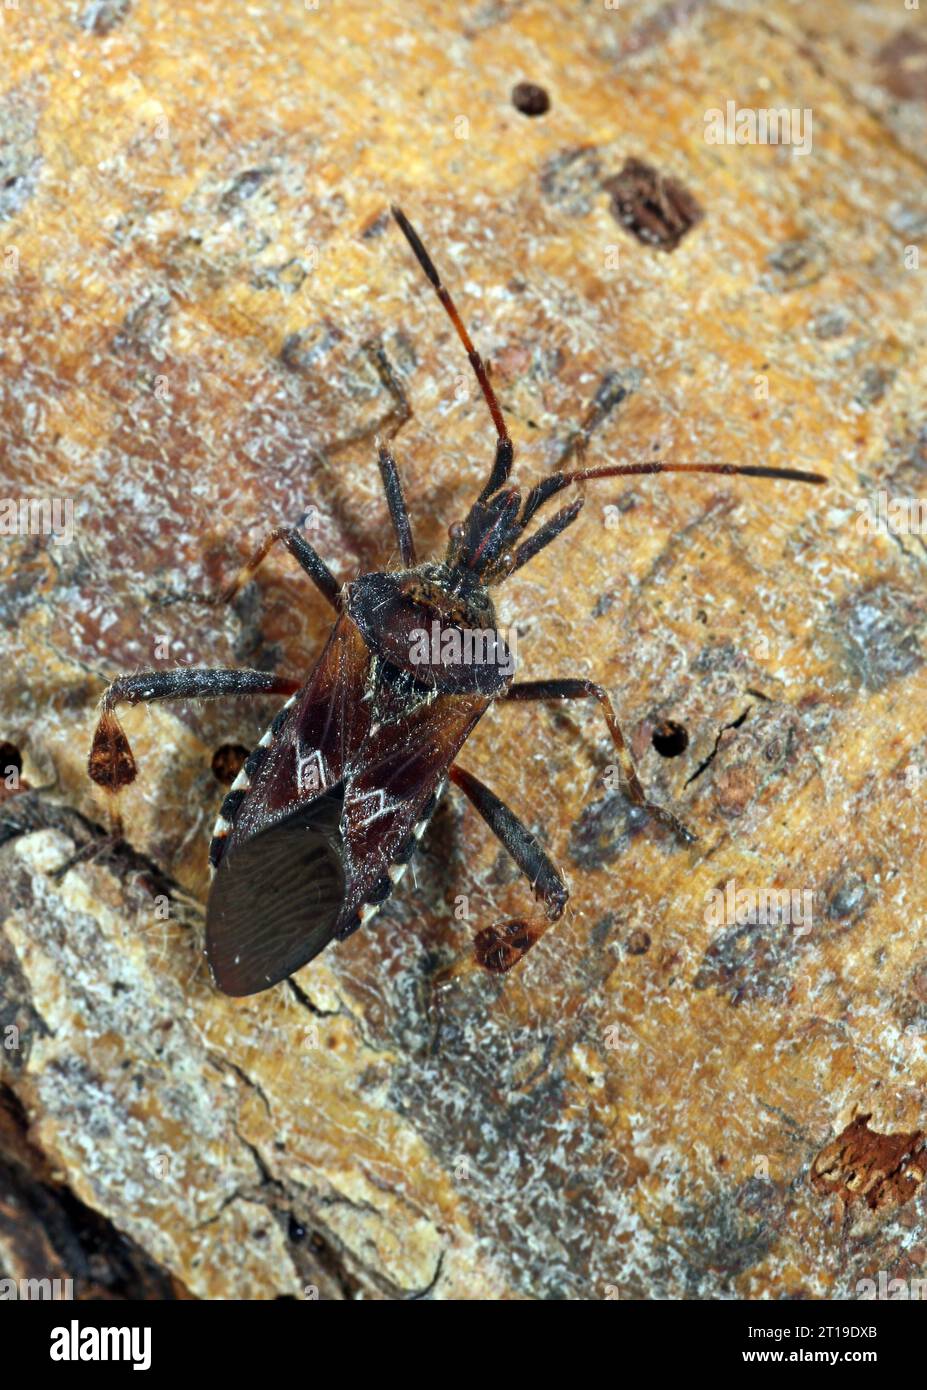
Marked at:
<point>227,762</point>
<point>530,99</point>
<point>670,739</point>
<point>10,757</point>
<point>638,943</point>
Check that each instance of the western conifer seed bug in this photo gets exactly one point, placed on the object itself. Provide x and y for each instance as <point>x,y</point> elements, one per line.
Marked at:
<point>329,808</point>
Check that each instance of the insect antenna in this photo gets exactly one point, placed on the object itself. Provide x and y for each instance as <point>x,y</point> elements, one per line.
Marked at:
<point>556,482</point>
<point>505,451</point>
<point>612,393</point>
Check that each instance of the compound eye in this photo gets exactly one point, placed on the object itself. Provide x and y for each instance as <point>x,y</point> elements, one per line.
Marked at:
<point>456,531</point>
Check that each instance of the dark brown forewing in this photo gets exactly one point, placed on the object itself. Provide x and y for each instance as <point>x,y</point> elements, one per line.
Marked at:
<point>275,902</point>
<point>400,767</point>
<point>321,738</point>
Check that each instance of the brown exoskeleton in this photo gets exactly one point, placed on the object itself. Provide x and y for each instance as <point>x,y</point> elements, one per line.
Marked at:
<point>329,807</point>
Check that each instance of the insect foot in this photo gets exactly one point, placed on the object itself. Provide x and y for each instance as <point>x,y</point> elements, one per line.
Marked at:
<point>111,763</point>
<point>500,947</point>
<point>683,834</point>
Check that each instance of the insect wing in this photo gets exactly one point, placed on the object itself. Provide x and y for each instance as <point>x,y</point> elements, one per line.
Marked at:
<point>391,790</point>
<point>275,903</point>
<point>278,893</point>
<point>318,739</point>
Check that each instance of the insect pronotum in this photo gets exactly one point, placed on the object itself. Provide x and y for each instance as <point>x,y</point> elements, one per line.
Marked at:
<point>321,822</point>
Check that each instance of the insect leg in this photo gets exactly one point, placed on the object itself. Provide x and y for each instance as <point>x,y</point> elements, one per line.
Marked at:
<point>111,763</point>
<point>398,510</point>
<point>299,548</point>
<point>402,411</point>
<point>585,690</point>
<point>502,945</point>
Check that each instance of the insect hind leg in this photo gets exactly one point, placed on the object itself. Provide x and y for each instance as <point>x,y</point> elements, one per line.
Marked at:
<point>112,763</point>
<point>499,947</point>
